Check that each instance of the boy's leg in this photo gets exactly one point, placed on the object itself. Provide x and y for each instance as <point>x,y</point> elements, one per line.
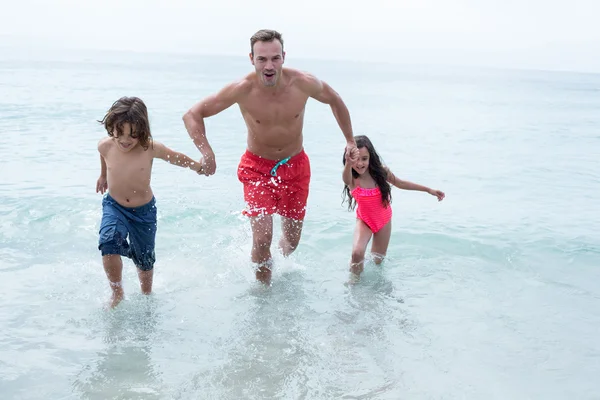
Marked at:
<point>145,280</point>
<point>362,235</point>
<point>381,241</point>
<point>142,254</point>
<point>112,244</point>
<point>113,267</point>
<point>142,237</point>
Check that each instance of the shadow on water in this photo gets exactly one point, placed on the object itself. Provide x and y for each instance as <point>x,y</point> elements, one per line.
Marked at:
<point>269,351</point>
<point>291,341</point>
<point>124,368</point>
<point>372,326</point>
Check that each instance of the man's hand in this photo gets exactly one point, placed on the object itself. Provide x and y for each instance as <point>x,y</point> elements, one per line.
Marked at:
<point>101,185</point>
<point>209,165</point>
<point>352,153</point>
<point>348,157</point>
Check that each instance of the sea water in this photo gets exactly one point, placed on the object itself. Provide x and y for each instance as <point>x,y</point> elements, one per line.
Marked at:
<point>492,293</point>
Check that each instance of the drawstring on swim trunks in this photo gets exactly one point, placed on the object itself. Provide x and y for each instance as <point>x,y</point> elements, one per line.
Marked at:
<point>280,163</point>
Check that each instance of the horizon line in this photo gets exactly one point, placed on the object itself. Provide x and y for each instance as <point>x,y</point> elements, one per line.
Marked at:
<point>54,46</point>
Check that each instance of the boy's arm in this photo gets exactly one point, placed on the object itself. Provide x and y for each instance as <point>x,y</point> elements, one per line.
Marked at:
<point>101,183</point>
<point>174,157</point>
<point>102,166</point>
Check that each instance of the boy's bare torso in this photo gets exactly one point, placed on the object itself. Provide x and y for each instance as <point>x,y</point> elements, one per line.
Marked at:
<point>128,174</point>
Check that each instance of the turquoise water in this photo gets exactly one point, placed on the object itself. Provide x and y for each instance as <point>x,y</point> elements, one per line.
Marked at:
<point>491,294</point>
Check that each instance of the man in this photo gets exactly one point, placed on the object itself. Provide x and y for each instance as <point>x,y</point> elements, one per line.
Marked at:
<point>275,170</point>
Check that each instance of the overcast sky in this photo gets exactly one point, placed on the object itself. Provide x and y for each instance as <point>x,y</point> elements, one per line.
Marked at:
<point>550,34</point>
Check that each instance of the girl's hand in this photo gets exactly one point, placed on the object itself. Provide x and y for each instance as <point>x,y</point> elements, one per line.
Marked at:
<point>437,193</point>
<point>352,152</point>
<point>351,155</point>
<point>101,185</point>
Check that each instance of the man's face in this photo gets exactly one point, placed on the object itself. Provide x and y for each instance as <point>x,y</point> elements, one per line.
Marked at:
<point>268,61</point>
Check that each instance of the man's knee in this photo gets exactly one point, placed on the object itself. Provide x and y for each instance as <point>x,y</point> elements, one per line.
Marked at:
<point>261,242</point>
<point>287,247</point>
<point>262,239</point>
<point>292,239</point>
<point>262,228</point>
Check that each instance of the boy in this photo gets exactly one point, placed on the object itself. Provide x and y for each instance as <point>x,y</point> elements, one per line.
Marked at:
<point>129,207</point>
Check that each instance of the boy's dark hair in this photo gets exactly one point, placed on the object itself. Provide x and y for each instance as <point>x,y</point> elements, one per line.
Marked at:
<point>130,110</point>
<point>376,170</point>
<point>265,35</point>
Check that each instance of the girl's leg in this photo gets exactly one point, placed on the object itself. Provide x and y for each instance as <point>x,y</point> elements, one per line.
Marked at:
<point>362,235</point>
<point>381,240</point>
<point>113,267</point>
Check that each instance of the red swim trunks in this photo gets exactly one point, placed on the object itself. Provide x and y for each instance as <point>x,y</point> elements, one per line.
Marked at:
<point>272,186</point>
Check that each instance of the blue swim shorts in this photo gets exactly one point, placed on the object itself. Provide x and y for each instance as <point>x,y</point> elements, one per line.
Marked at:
<point>138,224</point>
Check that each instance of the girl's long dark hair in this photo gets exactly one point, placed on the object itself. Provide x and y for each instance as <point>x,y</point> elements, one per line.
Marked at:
<point>375,169</point>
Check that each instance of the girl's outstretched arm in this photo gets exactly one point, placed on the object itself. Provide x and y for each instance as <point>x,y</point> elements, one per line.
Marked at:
<point>407,185</point>
<point>347,173</point>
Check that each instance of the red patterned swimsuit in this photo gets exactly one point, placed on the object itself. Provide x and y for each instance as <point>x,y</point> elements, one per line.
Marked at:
<point>370,208</point>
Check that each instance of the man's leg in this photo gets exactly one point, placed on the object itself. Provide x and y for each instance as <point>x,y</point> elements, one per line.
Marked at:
<point>292,230</point>
<point>262,236</point>
<point>293,194</point>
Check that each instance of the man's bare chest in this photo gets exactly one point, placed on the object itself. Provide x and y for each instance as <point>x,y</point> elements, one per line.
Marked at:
<point>275,110</point>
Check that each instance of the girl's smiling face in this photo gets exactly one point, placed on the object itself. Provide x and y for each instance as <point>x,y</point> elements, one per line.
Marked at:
<point>362,164</point>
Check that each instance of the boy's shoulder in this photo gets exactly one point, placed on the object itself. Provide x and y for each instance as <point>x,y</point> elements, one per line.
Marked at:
<point>105,144</point>
<point>157,147</point>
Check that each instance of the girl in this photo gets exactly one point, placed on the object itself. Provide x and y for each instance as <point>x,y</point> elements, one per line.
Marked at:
<point>367,184</point>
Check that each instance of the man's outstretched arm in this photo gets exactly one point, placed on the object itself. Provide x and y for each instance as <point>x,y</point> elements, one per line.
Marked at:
<point>193,120</point>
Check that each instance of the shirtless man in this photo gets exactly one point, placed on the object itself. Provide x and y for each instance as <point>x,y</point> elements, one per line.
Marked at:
<point>274,170</point>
